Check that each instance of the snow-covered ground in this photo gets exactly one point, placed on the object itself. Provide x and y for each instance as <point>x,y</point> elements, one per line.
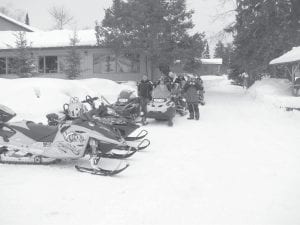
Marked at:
<point>238,165</point>
<point>277,92</point>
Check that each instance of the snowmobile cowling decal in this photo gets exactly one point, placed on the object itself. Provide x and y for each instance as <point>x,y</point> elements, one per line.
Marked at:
<point>72,137</point>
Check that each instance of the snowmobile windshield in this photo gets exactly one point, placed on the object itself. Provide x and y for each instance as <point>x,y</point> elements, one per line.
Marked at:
<point>7,110</point>
<point>6,114</point>
<point>161,91</point>
<point>126,94</point>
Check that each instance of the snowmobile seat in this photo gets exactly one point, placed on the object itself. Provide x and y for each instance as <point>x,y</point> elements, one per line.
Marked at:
<point>42,132</point>
<point>38,132</point>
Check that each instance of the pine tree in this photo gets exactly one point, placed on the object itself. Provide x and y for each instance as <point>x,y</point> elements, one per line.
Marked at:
<point>219,50</point>
<point>263,30</point>
<point>73,59</point>
<point>23,63</point>
<point>206,53</point>
<point>156,28</point>
<point>224,52</point>
<point>27,22</point>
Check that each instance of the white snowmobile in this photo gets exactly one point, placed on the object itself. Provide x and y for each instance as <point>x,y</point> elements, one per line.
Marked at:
<point>27,142</point>
<point>161,107</point>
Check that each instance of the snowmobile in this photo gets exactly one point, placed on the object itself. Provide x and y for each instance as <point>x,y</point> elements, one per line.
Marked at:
<point>180,105</point>
<point>127,105</point>
<point>26,142</point>
<point>178,99</point>
<point>161,107</point>
<point>124,126</point>
<point>108,116</point>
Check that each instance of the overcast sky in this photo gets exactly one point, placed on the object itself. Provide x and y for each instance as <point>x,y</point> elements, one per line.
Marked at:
<point>86,12</point>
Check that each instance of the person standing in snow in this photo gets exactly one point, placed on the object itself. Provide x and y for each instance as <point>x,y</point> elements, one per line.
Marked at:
<point>245,77</point>
<point>191,89</point>
<point>201,91</point>
<point>145,88</point>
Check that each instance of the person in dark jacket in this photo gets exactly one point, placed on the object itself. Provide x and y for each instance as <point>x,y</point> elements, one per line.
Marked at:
<point>191,89</point>
<point>145,88</point>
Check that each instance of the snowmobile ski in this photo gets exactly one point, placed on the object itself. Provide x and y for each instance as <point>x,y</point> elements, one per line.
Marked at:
<point>101,172</point>
<point>141,135</point>
<point>141,146</point>
<point>114,155</point>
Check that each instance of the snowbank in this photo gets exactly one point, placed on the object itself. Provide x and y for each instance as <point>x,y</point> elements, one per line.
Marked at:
<point>33,98</point>
<point>274,91</point>
<point>218,83</point>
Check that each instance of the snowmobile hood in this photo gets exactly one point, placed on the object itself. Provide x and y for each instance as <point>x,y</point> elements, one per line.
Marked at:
<point>98,127</point>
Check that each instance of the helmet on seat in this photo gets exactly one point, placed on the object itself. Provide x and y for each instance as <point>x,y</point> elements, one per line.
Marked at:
<point>76,108</point>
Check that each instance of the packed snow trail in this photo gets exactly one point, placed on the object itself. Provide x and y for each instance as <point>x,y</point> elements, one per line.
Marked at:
<point>238,165</point>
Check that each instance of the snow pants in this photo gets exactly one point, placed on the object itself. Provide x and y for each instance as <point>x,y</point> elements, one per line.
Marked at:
<point>194,110</point>
<point>143,103</point>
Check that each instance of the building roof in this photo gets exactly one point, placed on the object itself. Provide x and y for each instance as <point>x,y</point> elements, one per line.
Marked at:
<point>18,23</point>
<point>214,61</point>
<point>49,39</point>
<point>289,57</point>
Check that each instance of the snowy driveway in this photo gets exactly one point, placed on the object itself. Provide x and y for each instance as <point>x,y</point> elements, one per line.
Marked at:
<point>240,164</point>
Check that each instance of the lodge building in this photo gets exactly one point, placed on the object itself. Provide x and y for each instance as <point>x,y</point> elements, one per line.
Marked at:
<point>49,49</point>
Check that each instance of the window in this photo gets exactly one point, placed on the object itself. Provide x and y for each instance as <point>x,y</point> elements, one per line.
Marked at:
<point>104,63</point>
<point>127,63</point>
<point>12,65</point>
<point>2,65</point>
<point>48,64</point>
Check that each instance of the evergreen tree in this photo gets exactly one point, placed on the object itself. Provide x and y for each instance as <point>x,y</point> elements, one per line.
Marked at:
<point>263,30</point>
<point>219,50</point>
<point>27,22</point>
<point>23,63</point>
<point>224,52</point>
<point>156,28</point>
<point>206,53</point>
<point>228,54</point>
<point>73,59</point>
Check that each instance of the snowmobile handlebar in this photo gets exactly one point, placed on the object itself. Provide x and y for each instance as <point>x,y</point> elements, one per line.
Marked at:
<point>66,108</point>
<point>89,99</point>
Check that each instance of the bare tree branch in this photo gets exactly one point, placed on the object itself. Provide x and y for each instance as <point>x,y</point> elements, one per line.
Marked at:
<point>61,16</point>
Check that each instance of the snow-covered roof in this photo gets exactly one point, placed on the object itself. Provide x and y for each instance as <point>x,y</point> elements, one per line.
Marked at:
<point>214,61</point>
<point>18,23</point>
<point>291,56</point>
<point>49,39</point>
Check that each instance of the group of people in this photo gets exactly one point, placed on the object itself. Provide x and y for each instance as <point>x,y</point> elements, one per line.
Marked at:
<point>176,87</point>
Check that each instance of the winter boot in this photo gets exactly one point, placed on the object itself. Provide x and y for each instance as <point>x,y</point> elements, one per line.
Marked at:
<point>191,117</point>
<point>170,123</point>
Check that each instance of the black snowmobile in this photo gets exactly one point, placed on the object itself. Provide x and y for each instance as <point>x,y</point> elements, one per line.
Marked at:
<point>127,105</point>
<point>104,115</point>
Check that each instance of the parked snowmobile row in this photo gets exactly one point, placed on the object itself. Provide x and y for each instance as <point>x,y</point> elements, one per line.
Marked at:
<point>95,133</point>
<point>86,131</point>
